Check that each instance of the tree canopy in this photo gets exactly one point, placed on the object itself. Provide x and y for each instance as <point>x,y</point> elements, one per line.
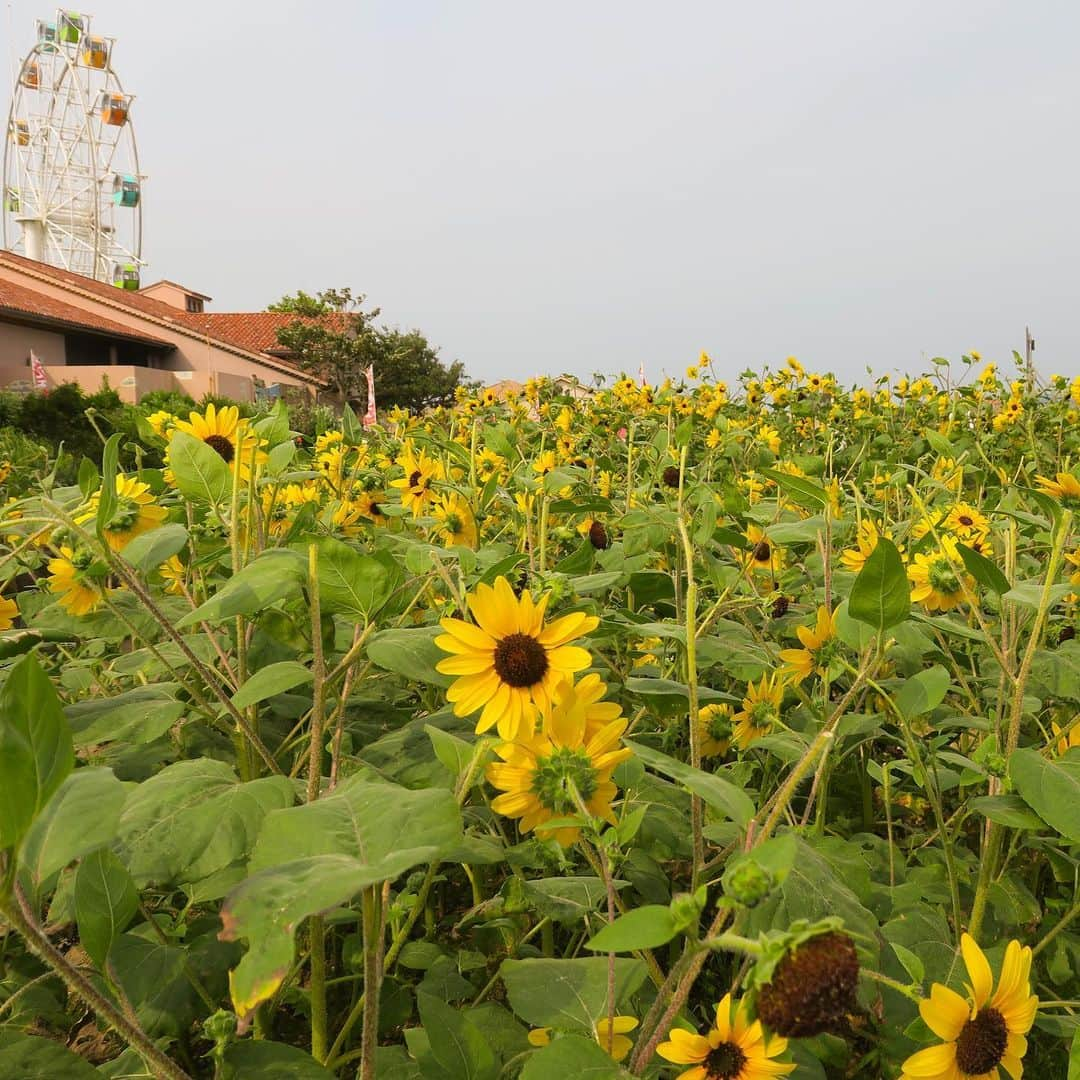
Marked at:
<point>334,337</point>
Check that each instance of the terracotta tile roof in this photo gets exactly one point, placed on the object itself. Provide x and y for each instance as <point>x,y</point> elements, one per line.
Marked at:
<point>136,302</point>
<point>20,300</point>
<point>252,330</point>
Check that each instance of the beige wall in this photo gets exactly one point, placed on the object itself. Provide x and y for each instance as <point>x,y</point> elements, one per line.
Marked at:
<point>17,341</point>
<point>167,293</point>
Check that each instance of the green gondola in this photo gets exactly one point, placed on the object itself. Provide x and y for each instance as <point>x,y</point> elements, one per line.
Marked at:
<point>125,190</point>
<point>72,27</point>
<point>126,276</point>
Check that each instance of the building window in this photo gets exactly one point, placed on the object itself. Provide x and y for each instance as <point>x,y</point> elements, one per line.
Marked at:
<point>194,304</point>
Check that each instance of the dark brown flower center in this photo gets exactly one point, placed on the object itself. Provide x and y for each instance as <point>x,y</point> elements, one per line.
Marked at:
<point>762,551</point>
<point>222,445</point>
<point>414,478</point>
<point>725,1062</point>
<point>671,476</point>
<point>520,660</point>
<point>966,521</point>
<point>598,536</point>
<point>981,1044</point>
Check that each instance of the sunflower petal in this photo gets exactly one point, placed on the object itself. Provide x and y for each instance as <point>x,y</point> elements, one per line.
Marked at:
<point>945,1013</point>
<point>982,978</point>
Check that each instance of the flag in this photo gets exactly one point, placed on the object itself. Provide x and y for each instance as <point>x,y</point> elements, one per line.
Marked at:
<point>41,382</point>
<point>641,372</point>
<point>369,416</point>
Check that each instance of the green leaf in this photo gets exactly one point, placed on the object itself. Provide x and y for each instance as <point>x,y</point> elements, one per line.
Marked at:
<point>912,964</point>
<point>412,653</point>
<point>151,974</point>
<point>35,748</point>
<point>271,680</point>
<point>456,1042</point>
<point>1029,593</point>
<point>985,572</point>
<point>1074,1057</point>
<point>82,815</point>
<point>570,995</point>
<point>719,794</point>
<point>1050,788</point>
<point>572,1056</point>
<point>201,472</point>
<point>923,692</point>
<point>264,1060</point>
<point>313,857</point>
<point>565,899</point>
<point>105,902</point>
<point>353,584</point>
<point>880,595</point>
<point>135,716</point>
<point>800,491</point>
<point>26,1057</point>
<point>1008,810</point>
<point>150,549</point>
<point>109,466</point>
<point>939,443</point>
<point>646,927</point>
<point>276,574</point>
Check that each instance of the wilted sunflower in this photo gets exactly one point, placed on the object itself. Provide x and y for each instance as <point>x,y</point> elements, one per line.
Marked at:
<point>734,1049</point>
<point>819,646</point>
<point>510,663</point>
<point>936,582</point>
<point>67,578</point>
<point>135,512</point>
<point>224,431</point>
<point>985,1032</point>
<point>457,524</point>
<point>760,710</point>
<point>542,776</point>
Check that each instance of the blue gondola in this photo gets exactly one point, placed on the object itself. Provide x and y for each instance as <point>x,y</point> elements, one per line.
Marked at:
<point>125,190</point>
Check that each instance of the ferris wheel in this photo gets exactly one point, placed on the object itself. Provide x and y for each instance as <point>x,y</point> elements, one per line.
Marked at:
<point>72,194</point>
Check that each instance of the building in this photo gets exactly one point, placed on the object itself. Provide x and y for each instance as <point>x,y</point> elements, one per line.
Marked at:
<point>156,338</point>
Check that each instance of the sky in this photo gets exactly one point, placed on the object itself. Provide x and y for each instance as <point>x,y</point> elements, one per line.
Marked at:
<point>591,186</point>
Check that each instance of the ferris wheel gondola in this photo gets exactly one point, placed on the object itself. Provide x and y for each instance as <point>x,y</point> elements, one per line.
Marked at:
<point>72,194</point>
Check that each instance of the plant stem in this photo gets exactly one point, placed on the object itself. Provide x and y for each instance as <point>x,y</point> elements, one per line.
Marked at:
<point>372,964</point>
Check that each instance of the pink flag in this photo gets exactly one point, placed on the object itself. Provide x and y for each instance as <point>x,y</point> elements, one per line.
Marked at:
<point>41,382</point>
<point>641,372</point>
<point>369,416</point>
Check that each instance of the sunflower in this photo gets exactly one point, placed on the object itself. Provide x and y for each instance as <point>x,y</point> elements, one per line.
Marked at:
<point>819,645</point>
<point>760,710</point>
<point>1065,743</point>
<point>421,471</point>
<point>967,524</point>
<point>986,1030</point>
<point>763,557</point>
<point>936,583</point>
<point>866,539</point>
<point>458,526</point>
<point>715,729</point>
<point>1065,487</point>
<point>173,572</point>
<point>734,1048</point>
<point>9,612</point>
<point>223,430</point>
<point>543,776</point>
<point>617,1044</point>
<point>67,579</point>
<point>509,664</point>
<point>135,512</point>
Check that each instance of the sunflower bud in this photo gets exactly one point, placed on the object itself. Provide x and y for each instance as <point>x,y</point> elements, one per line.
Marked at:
<point>598,536</point>
<point>686,908</point>
<point>812,989</point>
<point>748,883</point>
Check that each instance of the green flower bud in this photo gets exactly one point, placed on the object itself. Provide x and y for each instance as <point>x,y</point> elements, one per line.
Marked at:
<point>748,883</point>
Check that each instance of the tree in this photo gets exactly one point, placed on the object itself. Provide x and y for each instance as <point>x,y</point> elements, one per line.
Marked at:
<point>333,337</point>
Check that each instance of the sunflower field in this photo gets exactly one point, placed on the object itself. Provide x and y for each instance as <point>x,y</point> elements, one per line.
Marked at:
<point>688,730</point>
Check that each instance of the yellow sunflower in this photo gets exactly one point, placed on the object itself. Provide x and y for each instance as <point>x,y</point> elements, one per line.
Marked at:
<point>457,524</point>
<point>223,430</point>
<point>9,612</point>
<point>135,513</point>
<point>866,539</point>
<point>734,1049</point>
<point>985,1032</point>
<point>67,579</point>
<point>967,524</point>
<point>543,775</point>
<point>715,729</point>
<point>764,557</point>
<point>1065,486</point>
<point>173,572</point>
<point>936,582</point>
<point>817,651</point>
<point>510,663</point>
<point>610,1035</point>
<point>760,710</point>
<point>1065,743</point>
<point>421,471</point>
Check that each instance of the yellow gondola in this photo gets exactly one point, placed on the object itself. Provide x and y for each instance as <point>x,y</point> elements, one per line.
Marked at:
<point>95,53</point>
<point>19,132</point>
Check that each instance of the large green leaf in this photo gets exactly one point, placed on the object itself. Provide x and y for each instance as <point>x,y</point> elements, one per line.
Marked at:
<point>105,902</point>
<point>135,716</point>
<point>570,995</point>
<point>986,573</point>
<point>149,550</point>
<point>151,974</point>
<point>201,472</point>
<point>799,490</point>
<point>194,819</point>
<point>26,1057</point>
<point>35,748</point>
<point>572,1056</point>
<point>412,653</point>
<point>456,1043</point>
<point>82,815</point>
<point>272,680</point>
<point>880,596</point>
<point>353,584</point>
<point>261,1059</point>
<point>719,794</point>
<point>646,927</point>
<point>314,857</point>
<point>923,692</point>
<point>566,899</point>
<point>275,575</point>
<point>1050,788</point>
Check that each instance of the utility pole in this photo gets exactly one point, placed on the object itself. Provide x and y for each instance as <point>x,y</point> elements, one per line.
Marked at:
<point>1029,367</point>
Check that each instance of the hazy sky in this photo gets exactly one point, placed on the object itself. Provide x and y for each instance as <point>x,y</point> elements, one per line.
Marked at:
<point>585,186</point>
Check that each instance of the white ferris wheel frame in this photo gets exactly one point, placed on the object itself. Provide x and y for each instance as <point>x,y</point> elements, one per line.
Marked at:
<point>63,176</point>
